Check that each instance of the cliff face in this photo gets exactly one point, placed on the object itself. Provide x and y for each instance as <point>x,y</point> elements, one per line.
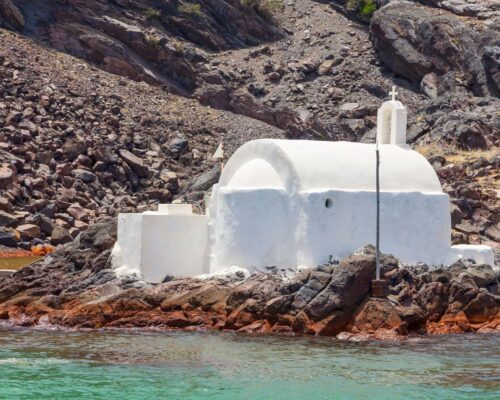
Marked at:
<point>143,40</point>
<point>293,66</point>
<point>75,287</point>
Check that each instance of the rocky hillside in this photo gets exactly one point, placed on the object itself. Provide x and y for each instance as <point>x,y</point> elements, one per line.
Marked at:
<point>78,143</point>
<point>134,119</point>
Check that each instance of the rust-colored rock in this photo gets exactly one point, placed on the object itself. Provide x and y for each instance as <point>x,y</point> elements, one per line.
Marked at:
<point>75,287</point>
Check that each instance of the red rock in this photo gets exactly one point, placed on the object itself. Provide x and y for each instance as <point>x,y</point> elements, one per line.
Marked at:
<point>177,319</point>
<point>451,323</point>
<point>331,325</point>
<point>77,212</point>
<point>261,326</point>
<point>377,314</point>
<point>239,318</point>
<point>482,309</point>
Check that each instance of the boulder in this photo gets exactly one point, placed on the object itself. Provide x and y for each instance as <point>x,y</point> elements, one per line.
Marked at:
<point>29,231</point>
<point>73,147</point>
<point>8,238</point>
<point>429,85</point>
<point>105,155</point>
<point>84,175</point>
<point>482,275</point>
<point>433,299</point>
<point>316,283</point>
<point>482,308</point>
<point>325,67</point>
<point>135,163</point>
<point>7,219</point>
<point>170,178</point>
<point>377,314</point>
<point>5,204</point>
<point>491,62</point>
<point>414,42</point>
<point>350,282</point>
<point>206,180</point>
<point>178,145</point>
<point>45,224</point>
<point>456,215</point>
<point>60,235</point>
<point>7,176</point>
<point>77,212</point>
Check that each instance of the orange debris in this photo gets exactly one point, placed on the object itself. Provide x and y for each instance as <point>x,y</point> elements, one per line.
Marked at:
<point>42,249</point>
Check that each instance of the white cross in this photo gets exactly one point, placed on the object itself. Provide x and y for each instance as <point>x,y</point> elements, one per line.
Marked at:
<point>393,93</point>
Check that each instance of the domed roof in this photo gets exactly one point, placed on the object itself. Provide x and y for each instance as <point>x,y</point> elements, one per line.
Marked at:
<point>298,165</point>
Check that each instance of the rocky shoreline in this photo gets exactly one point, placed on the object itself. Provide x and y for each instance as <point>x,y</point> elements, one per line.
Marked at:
<point>134,119</point>
<point>76,288</point>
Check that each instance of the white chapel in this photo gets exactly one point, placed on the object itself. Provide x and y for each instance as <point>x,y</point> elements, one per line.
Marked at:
<point>300,203</point>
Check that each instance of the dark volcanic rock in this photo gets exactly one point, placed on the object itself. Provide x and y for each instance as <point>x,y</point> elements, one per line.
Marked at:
<point>206,180</point>
<point>135,163</point>
<point>76,287</point>
<point>12,14</point>
<point>60,235</point>
<point>144,42</point>
<point>414,42</point>
<point>349,283</point>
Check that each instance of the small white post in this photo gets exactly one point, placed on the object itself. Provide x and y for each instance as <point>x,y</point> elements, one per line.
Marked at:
<point>377,178</point>
<point>219,154</point>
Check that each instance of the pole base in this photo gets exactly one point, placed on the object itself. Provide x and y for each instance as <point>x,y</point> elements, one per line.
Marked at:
<point>380,288</point>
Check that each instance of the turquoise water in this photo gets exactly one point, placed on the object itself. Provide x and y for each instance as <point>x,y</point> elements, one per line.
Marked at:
<point>158,365</point>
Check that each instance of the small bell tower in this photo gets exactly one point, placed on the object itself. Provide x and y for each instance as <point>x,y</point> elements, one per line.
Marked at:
<point>391,121</point>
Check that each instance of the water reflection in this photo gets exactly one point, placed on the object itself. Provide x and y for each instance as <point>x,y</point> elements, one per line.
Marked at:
<point>248,365</point>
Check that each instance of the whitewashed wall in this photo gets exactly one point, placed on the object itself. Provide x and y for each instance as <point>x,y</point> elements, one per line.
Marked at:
<point>174,245</point>
<point>159,245</point>
<point>265,227</point>
<point>129,251</point>
<point>253,228</point>
<point>413,226</point>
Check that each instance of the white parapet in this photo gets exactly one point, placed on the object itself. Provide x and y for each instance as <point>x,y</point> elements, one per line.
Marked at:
<point>173,245</point>
<point>170,242</point>
<point>127,252</point>
<point>481,254</point>
<point>175,209</point>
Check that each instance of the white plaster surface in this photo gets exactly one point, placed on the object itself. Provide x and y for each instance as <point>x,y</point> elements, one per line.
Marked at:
<point>270,206</point>
<point>264,227</point>
<point>173,245</point>
<point>413,226</point>
<point>254,228</point>
<point>128,250</point>
<point>175,209</point>
<point>307,165</point>
<point>155,245</point>
<point>480,253</point>
<point>391,123</point>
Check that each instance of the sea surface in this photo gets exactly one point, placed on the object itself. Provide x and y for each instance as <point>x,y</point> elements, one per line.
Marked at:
<point>16,262</point>
<point>174,365</point>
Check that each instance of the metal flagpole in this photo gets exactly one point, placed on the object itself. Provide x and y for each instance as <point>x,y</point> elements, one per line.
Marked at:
<point>378,213</point>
